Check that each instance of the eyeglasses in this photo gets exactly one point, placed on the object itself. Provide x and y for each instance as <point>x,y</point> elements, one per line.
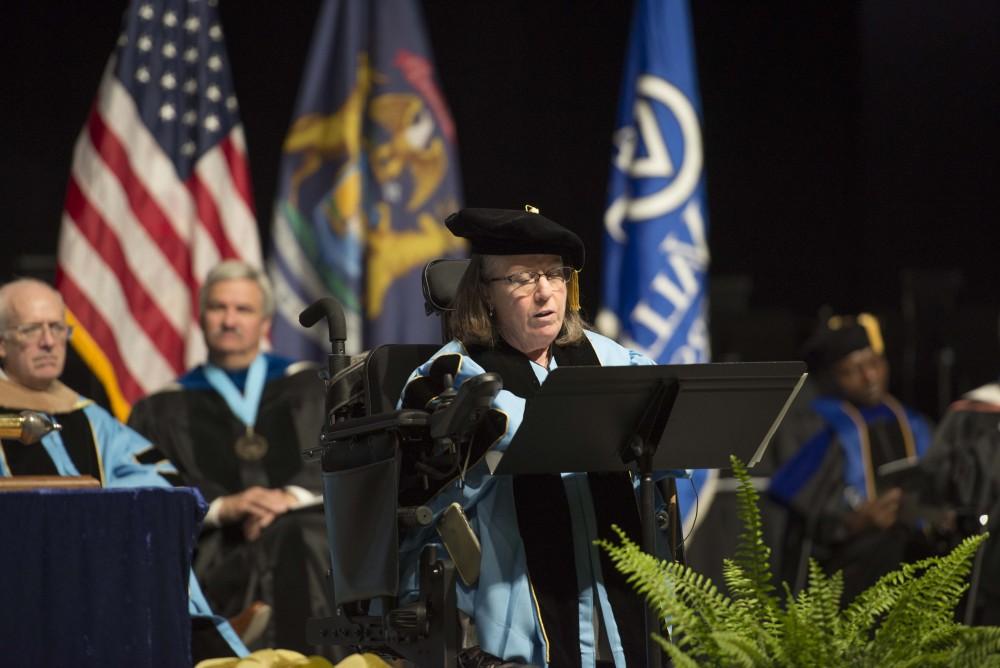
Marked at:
<point>557,277</point>
<point>32,331</point>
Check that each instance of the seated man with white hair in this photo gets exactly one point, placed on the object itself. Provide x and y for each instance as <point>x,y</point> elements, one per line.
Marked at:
<point>33,338</point>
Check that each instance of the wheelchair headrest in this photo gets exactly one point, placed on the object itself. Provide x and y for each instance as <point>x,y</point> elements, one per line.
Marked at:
<point>440,283</point>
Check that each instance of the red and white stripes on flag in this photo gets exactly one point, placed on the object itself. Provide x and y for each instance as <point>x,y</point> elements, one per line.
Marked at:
<point>153,202</point>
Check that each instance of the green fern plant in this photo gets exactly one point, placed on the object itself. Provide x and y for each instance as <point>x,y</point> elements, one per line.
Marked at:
<point>904,619</point>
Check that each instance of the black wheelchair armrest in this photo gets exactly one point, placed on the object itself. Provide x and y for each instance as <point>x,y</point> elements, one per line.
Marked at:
<point>372,425</point>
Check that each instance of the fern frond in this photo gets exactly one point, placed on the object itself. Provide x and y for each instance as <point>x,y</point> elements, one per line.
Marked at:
<point>870,606</point>
<point>927,601</point>
<point>943,637</point>
<point>738,650</point>
<point>686,600</point>
<point>752,554</point>
<point>906,619</point>
<point>925,660</point>
<point>745,616</point>
<point>976,646</point>
<point>642,570</point>
<point>699,593</point>
<point>753,557</point>
<point>680,596</point>
<point>677,657</point>
<point>826,592</point>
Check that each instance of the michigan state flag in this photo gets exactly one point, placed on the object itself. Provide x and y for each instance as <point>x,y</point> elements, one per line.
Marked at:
<point>655,244</point>
<point>655,248</point>
<point>368,175</point>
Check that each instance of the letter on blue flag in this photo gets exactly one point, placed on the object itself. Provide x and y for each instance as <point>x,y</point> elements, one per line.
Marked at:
<point>655,244</point>
<point>368,174</point>
<point>655,250</point>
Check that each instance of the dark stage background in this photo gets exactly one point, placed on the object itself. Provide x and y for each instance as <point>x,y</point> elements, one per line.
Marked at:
<point>851,148</point>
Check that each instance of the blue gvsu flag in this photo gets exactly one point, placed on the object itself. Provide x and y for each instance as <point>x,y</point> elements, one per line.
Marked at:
<point>655,244</point>
<point>368,174</point>
<point>655,248</point>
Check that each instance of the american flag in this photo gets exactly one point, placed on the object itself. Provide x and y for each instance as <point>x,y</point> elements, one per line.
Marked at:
<point>159,192</point>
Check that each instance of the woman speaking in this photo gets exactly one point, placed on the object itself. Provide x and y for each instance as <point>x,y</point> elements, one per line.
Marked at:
<point>545,594</point>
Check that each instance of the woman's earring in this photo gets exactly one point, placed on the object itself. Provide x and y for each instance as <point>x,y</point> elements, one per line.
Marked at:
<point>489,308</point>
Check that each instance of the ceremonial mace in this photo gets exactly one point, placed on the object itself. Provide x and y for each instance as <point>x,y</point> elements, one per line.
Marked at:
<point>27,426</point>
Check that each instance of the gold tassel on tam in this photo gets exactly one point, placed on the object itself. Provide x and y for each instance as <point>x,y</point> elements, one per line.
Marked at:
<point>870,323</point>
<point>573,291</point>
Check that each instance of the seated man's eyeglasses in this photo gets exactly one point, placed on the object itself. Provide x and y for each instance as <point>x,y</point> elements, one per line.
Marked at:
<point>557,277</point>
<point>32,331</point>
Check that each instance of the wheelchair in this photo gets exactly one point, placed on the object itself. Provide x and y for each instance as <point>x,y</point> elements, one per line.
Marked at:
<point>381,465</point>
<point>378,464</point>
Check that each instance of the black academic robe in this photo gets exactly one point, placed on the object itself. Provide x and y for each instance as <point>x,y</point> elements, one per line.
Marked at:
<point>287,566</point>
<point>963,470</point>
<point>833,473</point>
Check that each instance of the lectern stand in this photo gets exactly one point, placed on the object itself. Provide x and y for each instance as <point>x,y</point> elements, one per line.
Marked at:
<point>652,418</point>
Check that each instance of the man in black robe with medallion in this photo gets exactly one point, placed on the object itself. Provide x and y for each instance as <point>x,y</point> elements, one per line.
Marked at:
<point>235,427</point>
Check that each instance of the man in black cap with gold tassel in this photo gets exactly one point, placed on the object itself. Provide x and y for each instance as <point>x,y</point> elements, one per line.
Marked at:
<point>844,512</point>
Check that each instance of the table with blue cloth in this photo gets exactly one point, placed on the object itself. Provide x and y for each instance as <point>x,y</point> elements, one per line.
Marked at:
<point>96,576</point>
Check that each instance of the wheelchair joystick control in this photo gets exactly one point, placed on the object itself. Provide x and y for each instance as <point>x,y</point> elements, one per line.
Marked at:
<point>447,396</point>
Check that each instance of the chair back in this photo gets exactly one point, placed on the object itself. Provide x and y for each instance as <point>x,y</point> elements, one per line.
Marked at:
<point>440,284</point>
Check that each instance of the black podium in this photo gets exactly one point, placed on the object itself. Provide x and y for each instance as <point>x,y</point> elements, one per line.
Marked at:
<point>652,418</point>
